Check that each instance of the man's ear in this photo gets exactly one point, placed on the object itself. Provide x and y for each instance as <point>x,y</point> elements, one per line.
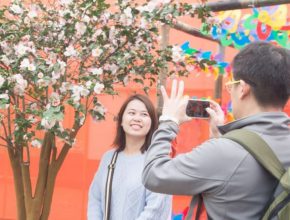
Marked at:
<point>245,89</point>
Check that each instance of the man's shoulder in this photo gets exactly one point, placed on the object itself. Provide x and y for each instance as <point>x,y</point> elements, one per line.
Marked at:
<point>223,143</point>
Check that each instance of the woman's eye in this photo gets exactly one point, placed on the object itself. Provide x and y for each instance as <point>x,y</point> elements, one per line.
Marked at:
<point>131,113</point>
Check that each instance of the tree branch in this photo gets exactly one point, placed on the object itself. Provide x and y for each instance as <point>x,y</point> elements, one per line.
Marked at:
<point>192,31</point>
<point>242,4</point>
<point>9,123</point>
<point>223,6</point>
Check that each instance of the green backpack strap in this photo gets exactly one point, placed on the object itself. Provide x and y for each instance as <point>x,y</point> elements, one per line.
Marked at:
<point>259,149</point>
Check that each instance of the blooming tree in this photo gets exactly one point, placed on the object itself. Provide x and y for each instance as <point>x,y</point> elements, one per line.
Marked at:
<point>59,57</point>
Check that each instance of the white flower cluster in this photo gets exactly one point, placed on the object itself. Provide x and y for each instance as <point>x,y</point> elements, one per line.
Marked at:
<point>55,57</point>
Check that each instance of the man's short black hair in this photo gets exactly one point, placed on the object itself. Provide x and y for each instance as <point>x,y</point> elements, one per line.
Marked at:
<point>266,68</point>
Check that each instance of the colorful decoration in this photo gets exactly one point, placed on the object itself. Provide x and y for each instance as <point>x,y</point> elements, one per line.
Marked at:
<point>227,108</point>
<point>204,61</point>
<point>266,24</point>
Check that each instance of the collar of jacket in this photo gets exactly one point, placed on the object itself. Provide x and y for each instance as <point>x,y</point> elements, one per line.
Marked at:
<point>265,120</point>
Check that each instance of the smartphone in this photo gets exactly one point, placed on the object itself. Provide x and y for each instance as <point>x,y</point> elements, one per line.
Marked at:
<point>196,108</point>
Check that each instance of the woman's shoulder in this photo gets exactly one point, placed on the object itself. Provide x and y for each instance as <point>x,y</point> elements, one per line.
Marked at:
<point>108,154</point>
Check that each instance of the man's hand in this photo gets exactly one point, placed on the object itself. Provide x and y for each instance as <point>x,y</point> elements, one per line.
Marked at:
<point>175,105</point>
<point>217,118</point>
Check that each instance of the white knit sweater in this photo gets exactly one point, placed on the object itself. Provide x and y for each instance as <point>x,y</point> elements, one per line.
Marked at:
<point>130,200</point>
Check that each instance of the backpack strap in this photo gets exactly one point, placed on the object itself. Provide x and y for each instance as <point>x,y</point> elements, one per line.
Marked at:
<point>261,151</point>
<point>108,192</point>
<point>196,201</point>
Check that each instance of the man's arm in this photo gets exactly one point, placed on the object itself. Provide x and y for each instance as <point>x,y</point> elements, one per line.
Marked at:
<point>187,174</point>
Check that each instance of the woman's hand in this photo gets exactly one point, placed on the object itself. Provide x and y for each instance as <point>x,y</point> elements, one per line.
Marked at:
<point>216,118</point>
<point>175,106</point>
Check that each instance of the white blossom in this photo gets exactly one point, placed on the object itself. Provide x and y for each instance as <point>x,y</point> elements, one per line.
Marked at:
<point>43,82</point>
<point>48,123</point>
<point>66,2</point>
<point>100,109</point>
<point>20,84</point>
<point>4,96</point>
<point>54,99</point>
<point>61,36</point>
<point>78,92</point>
<point>97,52</point>
<point>2,80</point>
<point>82,120</point>
<point>143,23</point>
<point>60,127</point>
<point>126,80</point>
<point>80,28</point>
<point>70,51</point>
<point>98,33</point>
<point>86,19</point>
<point>99,88</point>
<point>16,9</point>
<point>40,75</point>
<point>55,75</point>
<point>33,12</point>
<point>5,60</point>
<point>62,64</point>
<point>6,48</point>
<point>177,54</point>
<point>85,92</point>
<point>20,49</point>
<point>36,143</point>
<point>127,17</point>
<point>64,87</point>
<point>89,84</point>
<point>25,64</point>
<point>33,106</point>
<point>114,68</point>
<point>96,71</point>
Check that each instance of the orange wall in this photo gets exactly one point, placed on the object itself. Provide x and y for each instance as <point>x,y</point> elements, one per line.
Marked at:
<point>70,196</point>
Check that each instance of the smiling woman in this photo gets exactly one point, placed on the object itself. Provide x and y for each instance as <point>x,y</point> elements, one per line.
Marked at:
<point>137,120</point>
<point>136,123</point>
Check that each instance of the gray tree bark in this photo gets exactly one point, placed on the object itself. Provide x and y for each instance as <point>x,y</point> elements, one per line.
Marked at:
<point>219,81</point>
<point>241,4</point>
<point>163,74</point>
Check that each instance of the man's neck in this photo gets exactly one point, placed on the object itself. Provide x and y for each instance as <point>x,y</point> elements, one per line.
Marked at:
<point>249,110</point>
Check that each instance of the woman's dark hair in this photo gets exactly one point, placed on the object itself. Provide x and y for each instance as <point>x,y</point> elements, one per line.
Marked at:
<point>120,138</point>
<point>266,68</point>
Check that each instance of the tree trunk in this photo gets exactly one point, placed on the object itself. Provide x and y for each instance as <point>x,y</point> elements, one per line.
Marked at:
<point>18,184</point>
<point>163,73</point>
<point>219,81</point>
<point>52,173</point>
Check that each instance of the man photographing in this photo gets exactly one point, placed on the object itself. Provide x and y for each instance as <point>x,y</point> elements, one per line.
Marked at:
<point>232,183</point>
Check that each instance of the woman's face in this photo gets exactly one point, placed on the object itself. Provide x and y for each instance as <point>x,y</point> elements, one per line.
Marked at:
<point>136,121</point>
